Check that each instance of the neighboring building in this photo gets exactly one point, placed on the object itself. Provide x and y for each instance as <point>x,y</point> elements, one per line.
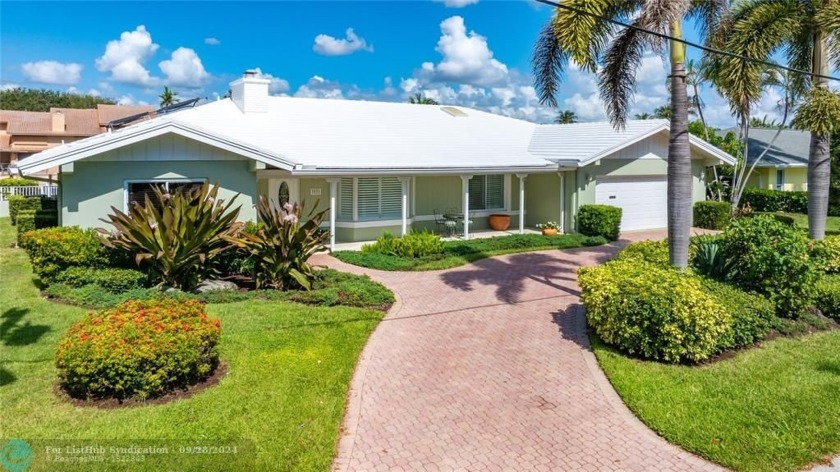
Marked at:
<point>378,166</point>
<point>23,133</point>
<point>785,166</point>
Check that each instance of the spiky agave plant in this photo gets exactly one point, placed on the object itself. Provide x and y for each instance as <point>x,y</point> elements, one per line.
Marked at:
<point>283,244</point>
<point>175,236</point>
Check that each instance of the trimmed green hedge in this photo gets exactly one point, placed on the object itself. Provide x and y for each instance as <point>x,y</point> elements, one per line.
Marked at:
<point>599,220</point>
<point>752,315</point>
<point>18,182</point>
<point>19,203</point>
<point>114,280</point>
<point>767,200</point>
<point>712,214</point>
<point>53,250</point>
<point>828,296</point>
<point>30,220</point>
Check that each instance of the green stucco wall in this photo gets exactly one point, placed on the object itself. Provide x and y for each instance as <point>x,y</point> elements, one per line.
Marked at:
<point>94,187</point>
<point>323,200</point>
<point>796,178</point>
<point>542,198</point>
<point>437,193</point>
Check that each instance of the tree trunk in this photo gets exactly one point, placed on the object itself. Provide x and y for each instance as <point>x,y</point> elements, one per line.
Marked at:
<point>819,179</point>
<point>679,159</point>
<point>819,160</point>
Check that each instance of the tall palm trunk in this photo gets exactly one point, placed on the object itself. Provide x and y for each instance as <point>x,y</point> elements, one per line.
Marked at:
<point>679,158</point>
<point>819,160</point>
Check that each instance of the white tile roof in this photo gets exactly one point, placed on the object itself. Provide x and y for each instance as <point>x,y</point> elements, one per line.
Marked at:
<point>581,142</point>
<point>342,136</point>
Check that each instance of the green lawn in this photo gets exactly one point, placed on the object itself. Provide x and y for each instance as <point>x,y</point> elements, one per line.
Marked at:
<point>772,408</point>
<point>281,403</point>
<point>832,223</point>
<point>458,253</point>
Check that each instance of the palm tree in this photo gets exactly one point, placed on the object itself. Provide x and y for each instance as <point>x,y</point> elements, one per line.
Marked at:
<point>566,117</point>
<point>643,116</point>
<point>168,97</point>
<point>420,99</point>
<point>807,33</point>
<point>663,112</point>
<point>590,42</point>
<point>764,122</point>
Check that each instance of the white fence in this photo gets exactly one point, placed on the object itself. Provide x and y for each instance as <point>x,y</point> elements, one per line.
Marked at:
<point>27,191</point>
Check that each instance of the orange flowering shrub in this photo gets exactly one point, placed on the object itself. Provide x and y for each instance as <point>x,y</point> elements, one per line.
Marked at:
<point>141,349</point>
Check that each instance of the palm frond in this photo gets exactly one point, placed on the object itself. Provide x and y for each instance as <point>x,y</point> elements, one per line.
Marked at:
<point>828,20</point>
<point>617,79</point>
<point>548,63</point>
<point>658,16</point>
<point>708,16</point>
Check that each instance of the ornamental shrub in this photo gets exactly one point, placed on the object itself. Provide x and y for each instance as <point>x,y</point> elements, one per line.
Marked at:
<point>654,252</point>
<point>654,312</point>
<point>140,349</point>
<point>53,250</point>
<point>826,254</point>
<point>768,200</point>
<point>30,220</point>
<point>19,203</point>
<point>416,244</point>
<point>712,214</point>
<point>828,296</point>
<point>599,220</point>
<point>18,182</point>
<point>752,315</point>
<point>774,259</point>
<point>114,280</point>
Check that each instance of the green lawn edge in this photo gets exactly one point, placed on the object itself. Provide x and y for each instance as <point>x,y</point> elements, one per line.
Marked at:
<point>281,402</point>
<point>773,407</point>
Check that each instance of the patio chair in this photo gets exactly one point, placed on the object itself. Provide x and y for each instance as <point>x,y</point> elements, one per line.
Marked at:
<point>443,225</point>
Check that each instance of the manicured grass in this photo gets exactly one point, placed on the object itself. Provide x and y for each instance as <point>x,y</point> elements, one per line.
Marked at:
<point>458,253</point>
<point>771,408</point>
<point>832,223</point>
<point>281,402</point>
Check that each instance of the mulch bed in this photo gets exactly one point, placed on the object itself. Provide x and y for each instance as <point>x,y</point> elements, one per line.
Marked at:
<point>112,403</point>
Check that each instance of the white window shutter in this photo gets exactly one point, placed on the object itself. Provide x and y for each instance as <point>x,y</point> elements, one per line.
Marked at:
<point>476,189</point>
<point>368,198</point>
<point>345,197</point>
<point>390,198</point>
<point>495,192</point>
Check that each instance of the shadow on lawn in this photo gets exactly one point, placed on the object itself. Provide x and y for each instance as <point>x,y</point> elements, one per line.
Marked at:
<point>14,331</point>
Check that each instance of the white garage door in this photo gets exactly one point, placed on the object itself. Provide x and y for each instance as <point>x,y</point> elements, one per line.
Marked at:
<point>643,200</point>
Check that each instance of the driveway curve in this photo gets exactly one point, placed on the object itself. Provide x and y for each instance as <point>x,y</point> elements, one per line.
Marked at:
<point>488,367</point>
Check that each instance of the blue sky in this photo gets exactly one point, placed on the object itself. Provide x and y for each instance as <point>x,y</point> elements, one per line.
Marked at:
<point>468,52</point>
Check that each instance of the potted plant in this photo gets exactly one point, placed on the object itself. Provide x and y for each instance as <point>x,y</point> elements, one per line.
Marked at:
<point>499,221</point>
<point>550,228</point>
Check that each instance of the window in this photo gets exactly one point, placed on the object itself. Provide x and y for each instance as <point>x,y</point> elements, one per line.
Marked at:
<point>370,198</point>
<point>487,192</point>
<point>137,191</point>
<point>780,179</point>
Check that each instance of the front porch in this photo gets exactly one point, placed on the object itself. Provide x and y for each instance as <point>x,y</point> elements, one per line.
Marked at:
<point>360,209</point>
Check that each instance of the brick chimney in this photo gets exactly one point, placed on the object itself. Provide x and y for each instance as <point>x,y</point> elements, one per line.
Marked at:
<point>58,122</point>
<point>250,93</point>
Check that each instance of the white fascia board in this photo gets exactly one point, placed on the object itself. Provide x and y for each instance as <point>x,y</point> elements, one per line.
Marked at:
<point>712,150</point>
<point>106,142</point>
<point>327,172</point>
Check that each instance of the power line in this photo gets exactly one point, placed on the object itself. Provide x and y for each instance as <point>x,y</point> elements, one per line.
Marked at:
<point>683,41</point>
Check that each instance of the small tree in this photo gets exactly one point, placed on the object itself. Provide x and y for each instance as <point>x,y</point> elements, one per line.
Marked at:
<point>566,117</point>
<point>168,97</point>
<point>420,99</point>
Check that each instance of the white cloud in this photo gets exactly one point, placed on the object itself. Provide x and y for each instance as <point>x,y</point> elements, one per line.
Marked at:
<point>184,69</point>
<point>211,41</point>
<point>124,58</point>
<point>52,72</point>
<point>93,91</point>
<point>319,87</point>
<point>8,86</point>
<point>456,3</point>
<point>467,58</point>
<point>277,86</point>
<point>329,46</point>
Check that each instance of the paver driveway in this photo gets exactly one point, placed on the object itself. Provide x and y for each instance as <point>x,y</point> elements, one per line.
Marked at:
<point>488,367</point>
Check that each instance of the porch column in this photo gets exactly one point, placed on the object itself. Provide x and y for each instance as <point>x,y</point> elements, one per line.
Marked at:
<point>465,185</point>
<point>404,181</point>
<point>333,203</point>
<point>522,202</point>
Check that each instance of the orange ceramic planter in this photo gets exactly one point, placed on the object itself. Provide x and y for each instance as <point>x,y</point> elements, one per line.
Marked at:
<point>499,222</point>
<point>550,231</point>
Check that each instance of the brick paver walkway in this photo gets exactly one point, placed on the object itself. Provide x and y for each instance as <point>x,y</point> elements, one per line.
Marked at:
<point>488,367</point>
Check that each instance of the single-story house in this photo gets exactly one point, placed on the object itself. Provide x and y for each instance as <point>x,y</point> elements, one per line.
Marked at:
<point>378,166</point>
<point>785,165</point>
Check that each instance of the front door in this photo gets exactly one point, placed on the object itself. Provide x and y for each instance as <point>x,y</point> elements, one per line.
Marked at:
<point>284,190</point>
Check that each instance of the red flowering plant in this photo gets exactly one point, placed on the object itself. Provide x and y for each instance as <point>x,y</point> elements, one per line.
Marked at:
<point>140,349</point>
